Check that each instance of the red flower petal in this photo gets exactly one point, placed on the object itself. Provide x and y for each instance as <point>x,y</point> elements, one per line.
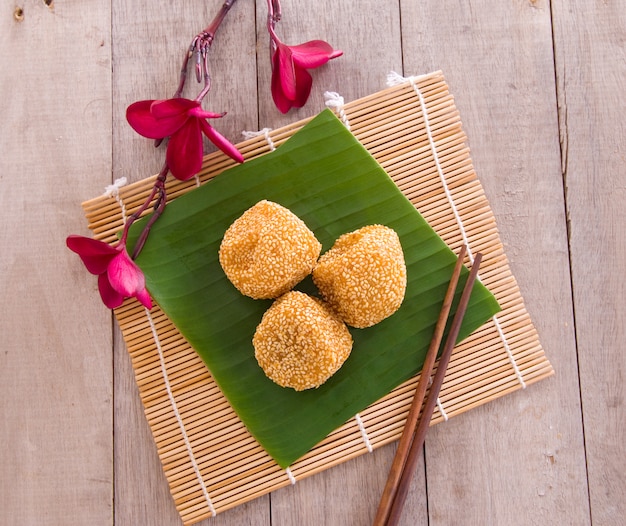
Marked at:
<point>96,255</point>
<point>141,118</point>
<point>168,108</point>
<point>110,297</point>
<point>312,54</point>
<point>336,53</point>
<point>280,100</point>
<point>283,64</point>
<point>185,151</point>
<point>304,81</point>
<point>201,114</point>
<point>144,297</point>
<point>125,276</point>
<point>220,141</point>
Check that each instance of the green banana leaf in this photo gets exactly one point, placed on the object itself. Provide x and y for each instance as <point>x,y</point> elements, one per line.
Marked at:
<point>328,179</point>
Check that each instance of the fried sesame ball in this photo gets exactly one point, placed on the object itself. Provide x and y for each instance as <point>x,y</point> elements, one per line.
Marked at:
<point>301,342</point>
<point>267,251</point>
<point>363,276</point>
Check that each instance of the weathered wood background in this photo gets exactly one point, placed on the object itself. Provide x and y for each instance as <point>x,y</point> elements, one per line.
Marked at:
<point>540,86</point>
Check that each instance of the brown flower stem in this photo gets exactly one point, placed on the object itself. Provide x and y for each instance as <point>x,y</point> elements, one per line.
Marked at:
<point>199,48</point>
<point>183,73</point>
<point>158,210</point>
<point>274,13</point>
<point>158,191</point>
<point>215,24</point>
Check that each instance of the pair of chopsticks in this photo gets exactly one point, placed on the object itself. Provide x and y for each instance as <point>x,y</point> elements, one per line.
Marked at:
<point>412,439</point>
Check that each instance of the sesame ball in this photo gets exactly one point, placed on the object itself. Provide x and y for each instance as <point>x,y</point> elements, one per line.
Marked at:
<point>267,251</point>
<point>300,342</point>
<point>363,276</point>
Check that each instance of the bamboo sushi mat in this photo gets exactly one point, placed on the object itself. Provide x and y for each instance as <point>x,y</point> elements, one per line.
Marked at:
<point>210,460</point>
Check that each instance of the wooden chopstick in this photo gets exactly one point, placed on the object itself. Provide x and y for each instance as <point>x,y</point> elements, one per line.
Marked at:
<point>400,476</point>
<point>404,444</point>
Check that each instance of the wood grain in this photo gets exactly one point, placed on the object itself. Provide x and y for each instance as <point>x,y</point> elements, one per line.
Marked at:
<point>591,79</point>
<point>507,103</point>
<point>55,374</point>
<point>539,86</point>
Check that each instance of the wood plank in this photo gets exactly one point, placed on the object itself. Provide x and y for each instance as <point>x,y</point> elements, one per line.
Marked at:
<point>519,460</point>
<point>55,362</point>
<point>591,79</point>
<point>149,45</point>
<point>370,39</point>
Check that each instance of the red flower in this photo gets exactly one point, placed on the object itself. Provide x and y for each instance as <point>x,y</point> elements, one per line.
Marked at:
<point>291,82</point>
<point>119,276</point>
<point>184,121</point>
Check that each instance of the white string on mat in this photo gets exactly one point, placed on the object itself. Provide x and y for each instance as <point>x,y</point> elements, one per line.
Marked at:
<point>179,419</point>
<point>265,132</point>
<point>509,353</point>
<point>336,102</point>
<point>438,402</point>
<point>292,479</point>
<point>441,410</point>
<point>394,79</point>
<point>433,148</point>
<point>366,439</point>
<point>113,190</point>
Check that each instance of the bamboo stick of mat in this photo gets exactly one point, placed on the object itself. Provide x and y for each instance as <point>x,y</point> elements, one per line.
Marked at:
<point>392,502</point>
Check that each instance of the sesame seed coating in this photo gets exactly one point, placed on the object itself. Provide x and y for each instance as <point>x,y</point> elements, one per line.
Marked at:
<point>267,251</point>
<point>363,276</point>
<point>300,342</point>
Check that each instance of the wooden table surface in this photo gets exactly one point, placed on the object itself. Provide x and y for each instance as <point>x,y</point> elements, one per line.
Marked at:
<point>540,87</point>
